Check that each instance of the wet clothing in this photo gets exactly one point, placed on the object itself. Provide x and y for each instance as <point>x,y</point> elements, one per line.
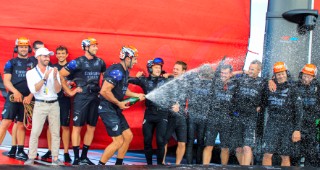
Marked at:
<point>17,67</point>
<point>110,113</point>
<point>86,74</point>
<point>311,104</point>
<point>219,119</point>
<point>284,117</point>
<point>155,118</point>
<point>250,94</point>
<point>198,96</point>
<point>177,122</point>
<point>64,102</point>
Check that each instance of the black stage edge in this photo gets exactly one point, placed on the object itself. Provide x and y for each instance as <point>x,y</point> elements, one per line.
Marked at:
<point>142,167</point>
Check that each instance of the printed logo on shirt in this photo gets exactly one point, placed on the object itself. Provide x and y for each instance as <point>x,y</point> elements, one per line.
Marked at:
<point>75,118</point>
<point>100,107</point>
<point>115,128</point>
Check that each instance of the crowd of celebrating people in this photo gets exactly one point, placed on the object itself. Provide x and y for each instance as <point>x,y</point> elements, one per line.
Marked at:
<point>200,106</point>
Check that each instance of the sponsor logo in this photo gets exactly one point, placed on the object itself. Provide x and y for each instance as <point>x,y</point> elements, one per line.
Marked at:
<point>75,118</point>
<point>115,128</point>
<point>288,39</point>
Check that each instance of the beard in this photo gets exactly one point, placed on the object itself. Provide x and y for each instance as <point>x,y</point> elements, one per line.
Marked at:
<point>23,54</point>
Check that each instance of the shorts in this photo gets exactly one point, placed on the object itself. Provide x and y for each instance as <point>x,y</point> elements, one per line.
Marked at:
<point>65,105</point>
<point>243,132</point>
<point>219,123</point>
<point>13,111</point>
<point>113,119</point>
<point>278,138</point>
<point>85,110</point>
<point>178,125</point>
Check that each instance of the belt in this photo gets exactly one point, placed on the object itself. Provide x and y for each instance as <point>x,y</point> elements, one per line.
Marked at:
<point>46,101</point>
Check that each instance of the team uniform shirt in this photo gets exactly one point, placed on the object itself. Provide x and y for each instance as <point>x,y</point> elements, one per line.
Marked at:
<point>61,95</point>
<point>249,95</point>
<point>86,73</point>
<point>110,113</point>
<point>219,119</point>
<point>310,95</point>
<point>285,113</point>
<point>148,84</point>
<point>17,67</point>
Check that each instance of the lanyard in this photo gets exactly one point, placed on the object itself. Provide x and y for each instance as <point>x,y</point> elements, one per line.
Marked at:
<point>45,83</point>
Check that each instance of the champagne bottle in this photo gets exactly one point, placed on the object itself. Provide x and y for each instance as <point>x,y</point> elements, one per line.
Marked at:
<point>131,101</point>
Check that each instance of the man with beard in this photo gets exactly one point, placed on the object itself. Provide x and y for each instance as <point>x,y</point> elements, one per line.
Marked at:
<point>86,71</point>
<point>114,88</point>
<point>15,81</point>
<point>44,83</point>
<point>65,106</point>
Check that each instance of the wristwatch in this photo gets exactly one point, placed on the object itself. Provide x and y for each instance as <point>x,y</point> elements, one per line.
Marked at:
<point>44,79</point>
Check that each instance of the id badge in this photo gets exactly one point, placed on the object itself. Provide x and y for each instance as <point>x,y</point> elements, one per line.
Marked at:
<point>45,91</point>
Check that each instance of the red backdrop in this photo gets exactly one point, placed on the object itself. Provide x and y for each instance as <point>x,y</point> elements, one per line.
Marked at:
<point>192,31</point>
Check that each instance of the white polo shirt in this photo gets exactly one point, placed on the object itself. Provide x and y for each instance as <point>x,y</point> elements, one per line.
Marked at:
<point>47,91</point>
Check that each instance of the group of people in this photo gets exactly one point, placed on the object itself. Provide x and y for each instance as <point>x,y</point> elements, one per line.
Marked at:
<point>200,105</point>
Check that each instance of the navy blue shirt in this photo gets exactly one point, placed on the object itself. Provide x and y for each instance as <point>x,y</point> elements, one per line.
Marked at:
<point>117,76</point>
<point>85,71</point>
<point>17,67</point>
<point>59,67</point>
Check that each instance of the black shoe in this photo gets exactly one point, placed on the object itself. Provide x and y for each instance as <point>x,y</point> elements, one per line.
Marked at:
<point>12,153</point>
<point>86,161</point>
<point>75,162</point>
<point>22,156</point>
<point>46,156</point>
<point>67,158</point>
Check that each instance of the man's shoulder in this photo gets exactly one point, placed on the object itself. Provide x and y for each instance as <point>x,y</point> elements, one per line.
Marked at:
<point>31,71</point>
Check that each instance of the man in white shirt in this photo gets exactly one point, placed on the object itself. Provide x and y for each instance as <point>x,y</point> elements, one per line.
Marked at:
<point>44,84</point>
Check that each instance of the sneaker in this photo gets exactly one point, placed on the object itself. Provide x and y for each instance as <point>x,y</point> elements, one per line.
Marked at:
<point>75,162</point>
<point>12,153</point>
<point>57,162</point>
<point>29,162</point>
<point>86,161</point>
<point>22,156</point>
<point>67,158</point>
<point>47,156</point>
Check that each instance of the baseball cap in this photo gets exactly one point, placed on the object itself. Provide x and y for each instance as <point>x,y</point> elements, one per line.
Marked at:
<point>43,51</point>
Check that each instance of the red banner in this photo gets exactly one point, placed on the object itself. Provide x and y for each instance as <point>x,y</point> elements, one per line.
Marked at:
<point>192,31</point>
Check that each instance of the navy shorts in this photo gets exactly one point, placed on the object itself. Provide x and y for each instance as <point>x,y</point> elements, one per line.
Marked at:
<point>219,123</point>
<point>65,105</point>
<point>113,119</point>
<point>177,124</point>
<point>278,138</point>
<point>243,132</point>
<point>13,111</point>
<point>85,109</point>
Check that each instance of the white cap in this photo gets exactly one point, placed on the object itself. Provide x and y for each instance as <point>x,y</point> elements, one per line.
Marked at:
<point>43,51</point>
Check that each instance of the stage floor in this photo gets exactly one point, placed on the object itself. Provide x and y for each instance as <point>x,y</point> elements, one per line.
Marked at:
<point>134,160</point>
